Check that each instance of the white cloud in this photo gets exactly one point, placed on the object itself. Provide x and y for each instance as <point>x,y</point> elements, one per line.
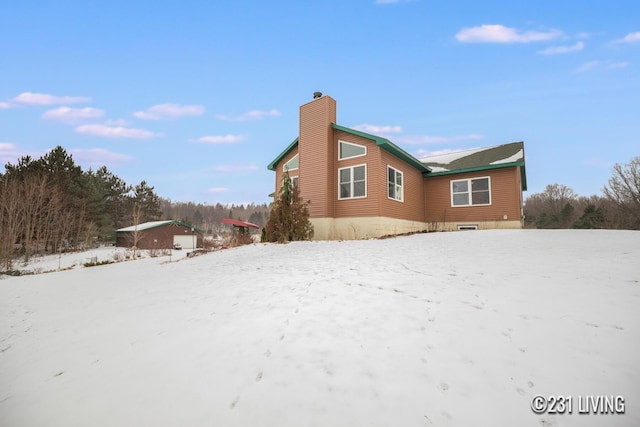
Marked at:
<point>616,65</point>
<point>630,38</point>
<point>169,111</point>
<point>587,66</point>
<point>502,34</point>
<point>375,129</point>
<point>607,65</point>
<point>9,153</point>
<point>236,168</point>
<point>97,157</point>
<point>220,139</point>
<point>421,153</point>
<point>116,122</point>
<point>115,132</point>
<point>428,139</point>
<point>72,115</point>
<point>249,115</point>
<point>557,50</point>
<point>218,190</point>
<point>4,105</point>
<point>30,98</point>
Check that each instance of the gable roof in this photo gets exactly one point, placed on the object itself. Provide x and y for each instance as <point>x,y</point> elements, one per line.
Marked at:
<point>272,165</point>
<point>155,224</point>
<point>387,145</point>
<point>479,159</point>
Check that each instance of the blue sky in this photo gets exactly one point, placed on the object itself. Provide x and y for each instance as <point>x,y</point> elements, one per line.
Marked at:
<point>197,97</point>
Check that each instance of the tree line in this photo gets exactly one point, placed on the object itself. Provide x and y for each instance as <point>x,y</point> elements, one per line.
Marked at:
<point>618,207</point>
<point>208,217</point>
<point>50,204</point>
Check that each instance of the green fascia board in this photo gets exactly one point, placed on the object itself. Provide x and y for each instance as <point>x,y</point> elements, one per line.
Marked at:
<point>272,165</point>
<point>388,146</point>
<point>523,174</point>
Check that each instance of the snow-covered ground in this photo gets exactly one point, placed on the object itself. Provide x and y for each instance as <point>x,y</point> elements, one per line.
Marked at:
<point>436,329</point>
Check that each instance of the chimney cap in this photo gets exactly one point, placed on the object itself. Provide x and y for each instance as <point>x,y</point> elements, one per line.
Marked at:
<point>317,95</point>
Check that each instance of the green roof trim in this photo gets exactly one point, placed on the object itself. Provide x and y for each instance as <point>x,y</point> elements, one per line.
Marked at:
<point>388,146</point>
<point>272,165</point>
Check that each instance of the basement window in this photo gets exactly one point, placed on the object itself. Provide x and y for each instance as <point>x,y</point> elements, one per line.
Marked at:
<point>467,227</point>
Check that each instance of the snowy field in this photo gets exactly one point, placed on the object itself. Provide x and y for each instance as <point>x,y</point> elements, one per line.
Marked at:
<point>436,329</point>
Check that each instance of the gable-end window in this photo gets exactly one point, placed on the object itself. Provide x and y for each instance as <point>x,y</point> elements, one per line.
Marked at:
<point>471,192</point>
<point>394,178</point>
<point>348,150</point>
<point>352,182</point>
<point>291,165</point>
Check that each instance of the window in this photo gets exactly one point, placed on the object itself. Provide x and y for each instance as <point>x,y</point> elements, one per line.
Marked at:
<point>471,192</point>
<point>294,181</point>
<point>395,184</point>
<point>467,227</point>
<point>352,182</point>
<point>347,150</point>
<point>291,165</point>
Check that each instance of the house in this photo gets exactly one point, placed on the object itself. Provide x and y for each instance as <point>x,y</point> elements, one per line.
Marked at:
<point>159,235</point>
<point>360,185</point>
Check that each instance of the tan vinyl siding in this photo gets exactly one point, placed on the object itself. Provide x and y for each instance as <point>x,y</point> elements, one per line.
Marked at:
<point>316,152</point>
<point>505,198</point>
<point>368,206</point>
<point>412,206</point>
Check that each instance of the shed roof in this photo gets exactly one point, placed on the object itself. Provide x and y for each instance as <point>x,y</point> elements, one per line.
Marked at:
<point>479,159</point>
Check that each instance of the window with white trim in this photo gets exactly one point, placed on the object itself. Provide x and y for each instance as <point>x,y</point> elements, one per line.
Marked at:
<point>352,182</point>
<point>295,181</point>
<point>291,165</point>
<point>394,179</point>
<point>471,192</point>
<point>348,150</point>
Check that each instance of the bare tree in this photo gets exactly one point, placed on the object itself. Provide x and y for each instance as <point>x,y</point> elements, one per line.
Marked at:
<point>11,219</point>
<point>553,208</point>
<point>624,190</point>
<point>136,234</point>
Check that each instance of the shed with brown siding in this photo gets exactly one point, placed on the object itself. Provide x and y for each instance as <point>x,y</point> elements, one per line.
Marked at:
<point>159,235</point>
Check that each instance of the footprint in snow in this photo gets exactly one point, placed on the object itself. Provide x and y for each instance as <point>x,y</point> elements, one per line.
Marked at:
<point>443,386</point>
<point>259,377</point>
<point>234,403</point>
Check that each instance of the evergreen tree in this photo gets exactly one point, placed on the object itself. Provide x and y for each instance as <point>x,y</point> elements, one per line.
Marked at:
<point>146,203</point>
<point>289,217</point>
